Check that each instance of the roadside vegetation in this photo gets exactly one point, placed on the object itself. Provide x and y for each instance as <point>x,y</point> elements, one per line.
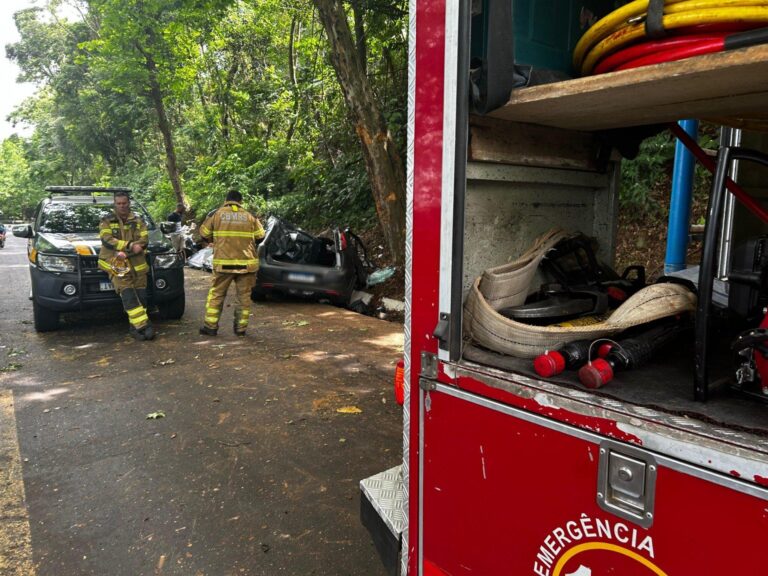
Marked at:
<point>644,196</point>
<point>282,99</point>
<point>181,101</point>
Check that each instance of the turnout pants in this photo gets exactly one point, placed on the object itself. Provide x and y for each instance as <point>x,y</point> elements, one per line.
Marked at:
<point>214,304</point>
<point>133,293</point>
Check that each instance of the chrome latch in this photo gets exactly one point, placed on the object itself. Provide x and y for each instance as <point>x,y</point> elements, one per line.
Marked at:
<point>626,484</point>
<point>428,365</point>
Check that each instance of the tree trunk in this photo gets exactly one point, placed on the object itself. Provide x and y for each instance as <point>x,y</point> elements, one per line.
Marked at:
<point>382,159</point>
<point>156,95</point>
<point>360,40</point>
<point>293,80</point>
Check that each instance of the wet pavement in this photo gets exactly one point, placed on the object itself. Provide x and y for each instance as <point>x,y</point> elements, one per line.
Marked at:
<point>252,469</point>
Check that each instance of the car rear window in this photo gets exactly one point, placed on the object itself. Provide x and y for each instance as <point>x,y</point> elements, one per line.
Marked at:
<point>65,218</point>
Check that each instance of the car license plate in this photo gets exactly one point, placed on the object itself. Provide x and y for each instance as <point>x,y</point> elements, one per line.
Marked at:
<point>301,277</point>
<point>106,286</point>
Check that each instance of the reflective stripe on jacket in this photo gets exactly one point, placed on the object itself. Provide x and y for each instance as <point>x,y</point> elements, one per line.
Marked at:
<point>116,238</point>
<point>234,232</point>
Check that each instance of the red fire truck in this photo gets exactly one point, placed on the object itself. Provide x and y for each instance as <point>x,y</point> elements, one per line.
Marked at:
<point>504,471</point>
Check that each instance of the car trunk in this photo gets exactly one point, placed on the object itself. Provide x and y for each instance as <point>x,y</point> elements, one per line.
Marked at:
<point>288,244</point>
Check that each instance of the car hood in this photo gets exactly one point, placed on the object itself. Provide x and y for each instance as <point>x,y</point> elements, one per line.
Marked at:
<point>89,243</point>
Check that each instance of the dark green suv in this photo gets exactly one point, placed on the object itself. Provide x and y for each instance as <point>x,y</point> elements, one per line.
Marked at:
<point>63,251</point>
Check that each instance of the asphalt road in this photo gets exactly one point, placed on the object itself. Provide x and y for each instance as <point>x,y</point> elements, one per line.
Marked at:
<point>253,470</point>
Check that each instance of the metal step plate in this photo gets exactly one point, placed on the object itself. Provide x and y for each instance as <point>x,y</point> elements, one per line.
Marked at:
<point>385,493</point>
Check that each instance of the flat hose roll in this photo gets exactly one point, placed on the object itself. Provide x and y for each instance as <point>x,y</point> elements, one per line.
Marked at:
<point>627,24</point>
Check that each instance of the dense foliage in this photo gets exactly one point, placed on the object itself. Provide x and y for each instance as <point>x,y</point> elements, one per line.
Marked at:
<point>223,93</point>
<point>646,181</point>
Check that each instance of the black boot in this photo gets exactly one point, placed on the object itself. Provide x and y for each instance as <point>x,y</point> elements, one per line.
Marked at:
<point>137,334</point>
<point>208,331</point>
<point>148,331</point>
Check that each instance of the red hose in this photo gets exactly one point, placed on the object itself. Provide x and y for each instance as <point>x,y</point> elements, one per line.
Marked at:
<point>678,53</point>
<point>650,49</point>
<point>683,43</point>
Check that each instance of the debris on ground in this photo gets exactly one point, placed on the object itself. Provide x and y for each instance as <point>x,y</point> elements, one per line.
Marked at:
<point>380,275</point>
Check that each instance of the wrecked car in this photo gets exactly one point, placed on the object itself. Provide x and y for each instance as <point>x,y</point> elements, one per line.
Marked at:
<point>326,267</point>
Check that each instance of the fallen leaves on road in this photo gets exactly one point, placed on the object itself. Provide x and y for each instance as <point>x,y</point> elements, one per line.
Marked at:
<point>349,410</point>
<point>166,362</point>
<point>156,415</point>
<point>11,367</point>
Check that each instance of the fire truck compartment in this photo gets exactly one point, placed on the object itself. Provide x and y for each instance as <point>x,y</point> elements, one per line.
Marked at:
<point>523,180</point>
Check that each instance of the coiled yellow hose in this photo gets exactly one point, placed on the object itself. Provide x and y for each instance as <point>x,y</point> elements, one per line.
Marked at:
<point>620,27</point>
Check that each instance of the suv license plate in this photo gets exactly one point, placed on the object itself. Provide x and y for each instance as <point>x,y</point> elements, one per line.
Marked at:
<point>106,286</point>
<point>301,277</point>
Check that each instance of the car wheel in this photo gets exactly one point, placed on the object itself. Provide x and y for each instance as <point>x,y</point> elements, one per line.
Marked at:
<point>172,310</point>
<point>45,318</point>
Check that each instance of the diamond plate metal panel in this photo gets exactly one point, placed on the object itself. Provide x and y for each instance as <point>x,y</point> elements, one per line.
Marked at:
<point>385,493</point>
<point>404,472</point>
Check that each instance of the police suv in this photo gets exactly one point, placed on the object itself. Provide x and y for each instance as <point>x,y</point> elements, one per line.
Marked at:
<point>63,249</point>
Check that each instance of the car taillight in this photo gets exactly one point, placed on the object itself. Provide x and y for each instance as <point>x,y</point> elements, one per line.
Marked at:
<point>343,239</point>
<point>400,382</point>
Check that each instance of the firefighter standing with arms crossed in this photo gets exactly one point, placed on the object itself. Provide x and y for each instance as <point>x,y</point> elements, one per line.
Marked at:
<point>234,232</point>
<point>124,240</point>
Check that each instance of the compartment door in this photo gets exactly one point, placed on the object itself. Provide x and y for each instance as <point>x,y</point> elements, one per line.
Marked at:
<point>507,492</point>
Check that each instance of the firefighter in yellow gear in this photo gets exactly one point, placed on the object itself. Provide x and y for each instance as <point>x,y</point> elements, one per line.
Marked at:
<point>124,239</point>
<point>234,233</point>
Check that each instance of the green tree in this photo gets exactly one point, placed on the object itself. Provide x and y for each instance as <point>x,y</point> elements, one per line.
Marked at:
<point>147,47</point>
<point>186,99</point>
<point>382,157</point>
<point>16,186</point>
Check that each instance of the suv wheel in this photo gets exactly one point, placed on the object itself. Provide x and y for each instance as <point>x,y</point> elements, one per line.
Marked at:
<point>172,310</point>
<point>45,318</point>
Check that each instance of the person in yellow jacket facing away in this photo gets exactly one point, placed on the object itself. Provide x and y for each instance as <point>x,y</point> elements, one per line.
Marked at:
<point>234,232</point>
<point>123,256</point>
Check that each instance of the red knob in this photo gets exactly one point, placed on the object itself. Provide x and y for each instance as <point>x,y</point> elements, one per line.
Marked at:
<point>549,364</point>
<point>596,374</point>
<point>604,349</point>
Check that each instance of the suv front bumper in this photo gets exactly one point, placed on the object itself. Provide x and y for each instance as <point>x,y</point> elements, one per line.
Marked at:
<point>48,288</point>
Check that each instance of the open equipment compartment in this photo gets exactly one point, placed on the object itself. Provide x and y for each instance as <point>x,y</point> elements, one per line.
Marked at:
<point>541,160</point>
<point>523,182</point>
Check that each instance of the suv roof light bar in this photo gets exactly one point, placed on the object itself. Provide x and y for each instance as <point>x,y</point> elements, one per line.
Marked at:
<point>92,190</point>
<point>73,189</point>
